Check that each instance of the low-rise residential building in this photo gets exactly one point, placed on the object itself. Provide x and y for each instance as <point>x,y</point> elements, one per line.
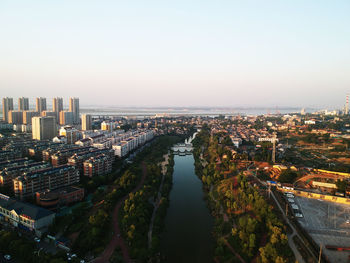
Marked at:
<point>97,166</point>
<point>120,149</point>
<point>29,183</point>
<point>25,216</point>
<point>52,199</point>
<point>77,160</point>
<point>9,173</point>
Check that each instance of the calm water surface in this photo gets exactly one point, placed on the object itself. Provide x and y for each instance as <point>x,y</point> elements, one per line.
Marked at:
<point>188,224</point>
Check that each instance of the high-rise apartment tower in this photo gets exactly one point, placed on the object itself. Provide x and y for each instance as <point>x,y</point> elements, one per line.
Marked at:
<point>23,104</point>
<point>57,106</point>
<point>7,105</point>
<point>44,128</point>
<point>40,104</point>
<point>86,122</point>
<point>74,107</point>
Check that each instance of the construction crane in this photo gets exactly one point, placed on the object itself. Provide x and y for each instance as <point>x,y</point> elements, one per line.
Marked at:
<point>274,139</point>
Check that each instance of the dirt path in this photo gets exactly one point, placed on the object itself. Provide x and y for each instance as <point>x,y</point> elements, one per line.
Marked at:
<point>118,241</point>
<point>233,251</point>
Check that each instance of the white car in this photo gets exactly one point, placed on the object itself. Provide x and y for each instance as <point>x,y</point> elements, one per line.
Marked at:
<point>348,221</point>
<point>37,240</point>
<point>7,257</point>
<point>290,200</point>
<point>299,215</point>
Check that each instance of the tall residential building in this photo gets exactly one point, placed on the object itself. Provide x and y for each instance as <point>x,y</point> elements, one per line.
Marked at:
<point>44,128</point>
<point>40,104</point>
<point>86,122</point>
<point>57,106</point>
<point>28,115</point>
<point>23,104</point>
<point>66,118</point>
<point>49,114</point>
<point>347,105</point>
<point>15,117</point>
<point>7,105</point>
<point>74,107</point>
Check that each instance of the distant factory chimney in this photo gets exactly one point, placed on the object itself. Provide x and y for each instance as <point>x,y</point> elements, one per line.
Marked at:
<point>347,105</point>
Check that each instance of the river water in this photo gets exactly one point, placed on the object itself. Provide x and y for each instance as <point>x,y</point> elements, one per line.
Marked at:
<point>188,224</point>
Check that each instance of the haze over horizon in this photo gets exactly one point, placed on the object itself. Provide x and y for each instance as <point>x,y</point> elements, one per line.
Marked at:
<point>162,53</point>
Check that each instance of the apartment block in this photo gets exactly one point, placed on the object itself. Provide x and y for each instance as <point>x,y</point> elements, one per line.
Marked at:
<point>7,105</point>
<point>74,108</point>
<point>86,122</point>
<point>40,104</point>
<point>23,104</point>
<point>66,118</point>
<point>44,128</point>
<point>9,173</point>
<point>77,160</point>
<point>70,133</point>
<point>50,178</point>
<point>28,115</point>
<point>15,117</point>
<point>97,166</point>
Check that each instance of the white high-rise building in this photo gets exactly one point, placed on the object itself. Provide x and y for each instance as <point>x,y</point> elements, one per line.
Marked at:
<point>86,122</point>
<point>44,128</point>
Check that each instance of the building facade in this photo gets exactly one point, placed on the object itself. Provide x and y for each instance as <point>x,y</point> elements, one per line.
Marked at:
<point>40,104</point>
<point>44,128</point>
<point>57,107</point>
<point>74,107</point>
<point>66,118</point>
<point>28,115</point>
<point>86,122</point>
<point>24,215</point>
<point>7,105</point>
<point>46,179</point>
<point>15,117</point>
<point>23,104</point>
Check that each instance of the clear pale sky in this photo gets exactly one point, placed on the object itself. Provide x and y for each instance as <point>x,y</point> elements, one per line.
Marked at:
<point>177,53</point>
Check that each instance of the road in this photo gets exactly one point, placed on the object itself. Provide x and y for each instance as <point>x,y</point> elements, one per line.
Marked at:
<point>117,240</point>
<point>291,243</point>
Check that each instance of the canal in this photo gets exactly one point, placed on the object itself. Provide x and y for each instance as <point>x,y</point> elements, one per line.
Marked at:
<point>188,223</point>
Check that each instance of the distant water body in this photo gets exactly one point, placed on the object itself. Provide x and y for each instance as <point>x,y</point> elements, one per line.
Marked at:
<point>145,112</point>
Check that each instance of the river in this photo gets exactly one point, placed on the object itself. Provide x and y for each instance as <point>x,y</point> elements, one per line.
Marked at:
<point>188,223</point>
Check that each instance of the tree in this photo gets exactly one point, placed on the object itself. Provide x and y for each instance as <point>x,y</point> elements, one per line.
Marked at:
<point>287,176</point>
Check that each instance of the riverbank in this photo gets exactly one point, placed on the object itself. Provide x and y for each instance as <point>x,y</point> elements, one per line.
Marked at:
<point>158,200</point>
<point>246,228</point>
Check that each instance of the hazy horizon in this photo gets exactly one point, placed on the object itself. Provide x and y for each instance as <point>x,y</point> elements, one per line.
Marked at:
<point>177,54</point>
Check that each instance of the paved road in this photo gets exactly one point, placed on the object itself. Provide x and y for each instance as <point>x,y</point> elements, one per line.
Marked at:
<point>118,241</point>
<point>291,243</point>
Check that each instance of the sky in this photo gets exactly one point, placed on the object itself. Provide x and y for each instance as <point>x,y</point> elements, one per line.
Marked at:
<point>177,53</point>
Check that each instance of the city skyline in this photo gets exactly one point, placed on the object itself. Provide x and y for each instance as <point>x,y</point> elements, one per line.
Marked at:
<point>178,54</point>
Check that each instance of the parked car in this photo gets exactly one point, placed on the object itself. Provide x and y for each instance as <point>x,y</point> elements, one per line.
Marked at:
<point>299,215</point>
<point>7,257</point>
